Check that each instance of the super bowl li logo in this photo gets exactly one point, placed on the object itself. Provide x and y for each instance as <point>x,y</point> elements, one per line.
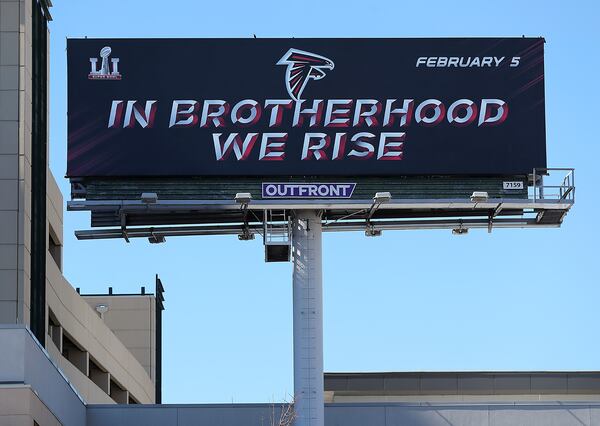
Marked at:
<point>105,72</point>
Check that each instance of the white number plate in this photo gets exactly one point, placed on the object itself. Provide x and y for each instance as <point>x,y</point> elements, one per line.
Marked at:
<point>512,185</point>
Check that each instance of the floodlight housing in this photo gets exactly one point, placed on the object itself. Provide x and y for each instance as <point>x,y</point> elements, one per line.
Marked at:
<point>382,197</point>
<point>479,197</point>
<point>243,197</point>
<point>460,231</point>
<point>372,232</point>
<point>149,197</point>
<point>246,236</point>
<point>156,239</point>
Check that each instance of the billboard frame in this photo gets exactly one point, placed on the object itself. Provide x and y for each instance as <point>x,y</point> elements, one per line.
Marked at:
<point>541,209</point>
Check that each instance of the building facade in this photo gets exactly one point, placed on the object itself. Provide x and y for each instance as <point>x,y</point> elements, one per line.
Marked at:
<point>109,357</point>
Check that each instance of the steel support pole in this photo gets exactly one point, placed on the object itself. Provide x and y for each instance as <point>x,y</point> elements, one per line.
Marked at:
<point>308,318</point>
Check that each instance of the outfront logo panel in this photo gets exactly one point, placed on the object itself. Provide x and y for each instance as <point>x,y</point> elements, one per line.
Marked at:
<point>307,107</point>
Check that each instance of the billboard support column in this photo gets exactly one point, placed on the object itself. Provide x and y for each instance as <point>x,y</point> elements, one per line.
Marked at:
<point>308,318</point>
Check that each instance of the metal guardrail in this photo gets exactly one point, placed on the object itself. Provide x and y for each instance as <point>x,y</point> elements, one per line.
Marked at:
<point>276,227</point>
<point>564,191</point>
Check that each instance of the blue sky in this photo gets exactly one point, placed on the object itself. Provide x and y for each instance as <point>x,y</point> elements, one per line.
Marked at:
<point>409,301</point>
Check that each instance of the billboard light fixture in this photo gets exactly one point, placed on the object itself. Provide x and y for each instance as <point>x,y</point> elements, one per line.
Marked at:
<point>243,197</point>
<point>378,199</point>
<point>156,239</point>
<point>382,197</point>
<point>479,197</point>
<point>370,231</point>
<point>460,231</point>
<point>246,236</point>
<point>149,197</point>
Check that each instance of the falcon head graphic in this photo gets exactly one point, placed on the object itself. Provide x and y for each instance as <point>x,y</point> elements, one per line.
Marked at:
<point>301,67</point>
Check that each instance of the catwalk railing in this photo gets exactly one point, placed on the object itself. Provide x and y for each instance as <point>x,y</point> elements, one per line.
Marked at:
<point>546,201</point>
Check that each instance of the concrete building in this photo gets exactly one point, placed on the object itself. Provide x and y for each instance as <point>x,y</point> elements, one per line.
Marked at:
<point>34,391</point>
<point>76,360</point>
<point>108,357</point>
<point>463,387</point>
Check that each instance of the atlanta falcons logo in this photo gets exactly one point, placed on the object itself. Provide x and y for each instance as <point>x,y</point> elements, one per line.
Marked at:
<point>301,67</point>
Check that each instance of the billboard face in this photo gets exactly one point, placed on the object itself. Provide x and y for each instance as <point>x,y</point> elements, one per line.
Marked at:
<point>305,107</point>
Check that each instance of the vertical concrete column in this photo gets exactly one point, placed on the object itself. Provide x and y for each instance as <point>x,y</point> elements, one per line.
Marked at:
<point>308,318</point>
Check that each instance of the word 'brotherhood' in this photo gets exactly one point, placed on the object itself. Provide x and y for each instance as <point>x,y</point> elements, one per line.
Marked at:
<point>331,117</point>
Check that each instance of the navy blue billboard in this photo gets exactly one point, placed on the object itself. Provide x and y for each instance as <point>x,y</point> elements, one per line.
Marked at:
<point>305,107</point>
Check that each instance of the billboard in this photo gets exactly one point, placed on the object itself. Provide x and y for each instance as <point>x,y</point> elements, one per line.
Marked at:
<point>305,107</point>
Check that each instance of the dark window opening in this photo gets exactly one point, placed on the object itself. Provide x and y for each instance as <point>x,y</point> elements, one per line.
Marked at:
<point>55,330</point>
<point>55,250</point>
<point>76,355</point>
<point>99,376</point>
<point>118,394</point>
<point>52,319</point>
